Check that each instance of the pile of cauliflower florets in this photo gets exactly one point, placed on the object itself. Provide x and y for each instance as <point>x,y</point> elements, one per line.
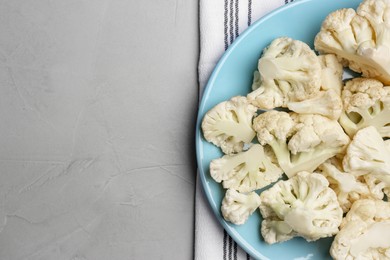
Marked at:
<point>327,135</point>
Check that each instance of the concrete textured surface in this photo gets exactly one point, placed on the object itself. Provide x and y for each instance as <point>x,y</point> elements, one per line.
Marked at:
<point>97,110</point>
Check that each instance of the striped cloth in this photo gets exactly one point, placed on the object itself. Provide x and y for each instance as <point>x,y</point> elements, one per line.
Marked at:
<point>221,21</point>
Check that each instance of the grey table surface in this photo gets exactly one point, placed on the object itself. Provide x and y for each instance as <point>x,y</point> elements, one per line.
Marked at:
<point>98,104</point>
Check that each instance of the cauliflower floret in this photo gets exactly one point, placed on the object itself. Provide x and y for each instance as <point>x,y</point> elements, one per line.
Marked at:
<point>336,34</point>
<point>302,206</point>
<point>229,124</point>
<point>288,71</point>
<point>300,142</point>
<point>368,155</point>
<point>377,187</point>
<point>360,39</point>
<point>246,171</point>
<point>331,73</point>
<point>364,233</point>
<point>378,50</point>
<point>347,187</point>
<point>366,103</point>
<point>311,131</point>
<point>327,103</point>
<point>237,207</point>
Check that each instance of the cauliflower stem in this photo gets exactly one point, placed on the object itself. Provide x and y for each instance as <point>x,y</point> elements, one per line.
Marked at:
<point>303,161</point>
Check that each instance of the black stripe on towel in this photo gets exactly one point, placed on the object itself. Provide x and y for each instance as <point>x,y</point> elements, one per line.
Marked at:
<point>231,21</point>
<point>235,251</point>
<point>225,23</point>
<point>224,244</point>
<point>249,12</point>
<point>230,247</point>
<point>236,13</point>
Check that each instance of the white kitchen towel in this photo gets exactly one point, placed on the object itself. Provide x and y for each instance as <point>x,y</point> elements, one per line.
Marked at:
<point>221,21</point>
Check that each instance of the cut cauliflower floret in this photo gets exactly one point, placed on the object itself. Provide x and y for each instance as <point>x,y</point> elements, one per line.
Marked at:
<point>312,131</point>
<point>237,207</point>
<point>229,124</point>
<point>302,206</point>
<point>327,103</point>
<point>288,70</point>
<point>336,34</point>
<point>347,187</point>
<point>246,171</point>
<point>364,233</point>
<point>368,155</point>
<point>300,142</point>
<point>377,187</point>
<point>360,39</point>
<point>366,103</point>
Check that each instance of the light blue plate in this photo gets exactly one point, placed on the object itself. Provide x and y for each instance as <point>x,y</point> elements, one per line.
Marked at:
<point>232,76</point>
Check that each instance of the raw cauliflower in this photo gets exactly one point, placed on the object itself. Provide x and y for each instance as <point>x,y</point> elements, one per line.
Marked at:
<point>300,142</point>
<point>288,70</point>
<point>237,207</point>
<point>347,187</point>
<point>378,187</point>
<point>366,103</point>
<point>229,124</point>
<point>364,233</point>
<point>326,103</point>
<point>361,39</point>
<point>302,206</point>
<point>367,155</point>
<point>246,171</point>
<point>331,73</point>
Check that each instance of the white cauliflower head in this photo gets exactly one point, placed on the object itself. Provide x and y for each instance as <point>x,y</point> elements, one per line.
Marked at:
<point>246,171</point>
<point>237,207</point>
<point>365,232</point>
<point>300,142</point>
<point>302,206</point>
<point>366,103</point>
<point>360,39</point>
<point>347,187</point>
<point>288,71</point>
<point>229,124</point>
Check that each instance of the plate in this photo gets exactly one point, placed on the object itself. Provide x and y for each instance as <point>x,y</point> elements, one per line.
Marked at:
<point>233,76</point>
